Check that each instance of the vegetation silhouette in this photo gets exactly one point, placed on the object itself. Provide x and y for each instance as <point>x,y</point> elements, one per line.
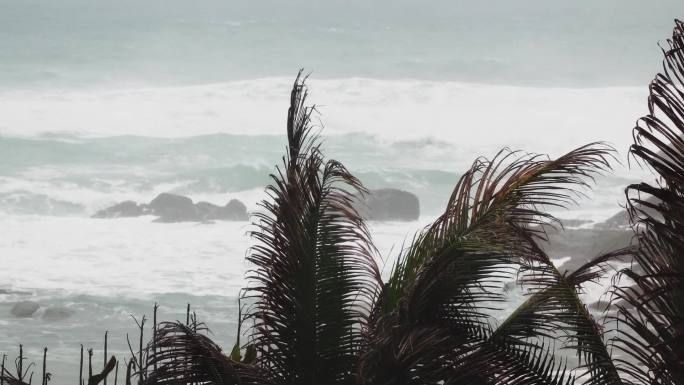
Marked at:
<point>317,310</point>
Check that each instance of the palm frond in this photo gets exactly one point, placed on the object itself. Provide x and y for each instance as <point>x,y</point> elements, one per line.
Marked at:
<point>502,204</point>
<point>315,276</point>
<point>552,318</point>
<point>182,355</point>
<point>97,378</point>
<point>532,363</point>
<point>443,283</point>
<point>444,311</point>
<point>654,339</point>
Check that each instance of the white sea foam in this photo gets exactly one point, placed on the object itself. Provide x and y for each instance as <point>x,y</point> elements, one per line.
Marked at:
<point>135,257</point>
<point>421,136</point>
<point>123,257</point>
<point>18,195</point>
<point>487,117</point>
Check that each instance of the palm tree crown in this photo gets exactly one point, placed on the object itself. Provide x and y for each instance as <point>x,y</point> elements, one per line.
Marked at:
<point>318,312</point>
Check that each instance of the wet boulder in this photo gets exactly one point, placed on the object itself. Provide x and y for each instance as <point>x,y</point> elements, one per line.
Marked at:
<point>124,209</point>
<point>173,208</point>
<point>206,211</point>
<point>584,244</point>
<point>618,221</point>
<point>621,220</point>
<point>235,210</point>
<point>389,204</point>
<point>177,208</point>
<point>232,211</point>
<point>25,309</point>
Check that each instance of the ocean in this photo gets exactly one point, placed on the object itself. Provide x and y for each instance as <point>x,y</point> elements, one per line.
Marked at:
<point>103,101</point>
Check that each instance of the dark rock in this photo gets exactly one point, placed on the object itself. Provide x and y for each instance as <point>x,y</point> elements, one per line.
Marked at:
<point>122,210</point>
<point>25,309</point>
<point>235,210</point>
<point>57,313</point>
<point>177,208</point>
<point>206,210</point>
<point>390,205</point>
<point>232,211</point>
<point>617,221</point>
<point>173,208</point>
<point>584,244</point>
<point>621,219</point>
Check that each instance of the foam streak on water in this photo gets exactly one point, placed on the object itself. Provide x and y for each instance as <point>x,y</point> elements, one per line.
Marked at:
<point>486,116</point>
<point>75,151</point>
<point>70,153</point>
<point>104,270</point>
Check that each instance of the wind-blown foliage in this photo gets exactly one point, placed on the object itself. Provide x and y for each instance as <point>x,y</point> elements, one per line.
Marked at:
<point>315,274</point>
<point>653,308</point>
<point>442,286</point>
<point>500,204</point>
<point>320,313</point>
<point>183,355</point>
<point>555,314</point>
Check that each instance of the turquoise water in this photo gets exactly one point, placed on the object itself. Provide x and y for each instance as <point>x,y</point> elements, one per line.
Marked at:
<point>105,101</point>
<point>77,177</point>
<point>165,42</point>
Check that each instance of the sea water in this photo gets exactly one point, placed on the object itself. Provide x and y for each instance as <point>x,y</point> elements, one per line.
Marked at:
<point>70,153</point>
<point>104,101</point>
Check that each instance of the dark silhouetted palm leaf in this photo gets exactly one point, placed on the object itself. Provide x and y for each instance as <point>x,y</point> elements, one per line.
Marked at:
<point>183,355</point>
<point>315,277</point>
<point>554,314</point>
<point>431,318</point>
<point>654,337</point>
<point>319,313</point>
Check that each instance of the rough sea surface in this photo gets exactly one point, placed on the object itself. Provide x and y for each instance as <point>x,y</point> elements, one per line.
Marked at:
<point>104,101</point>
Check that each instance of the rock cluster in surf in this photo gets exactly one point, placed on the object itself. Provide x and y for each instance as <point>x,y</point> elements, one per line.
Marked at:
<point>389,204</point>
<point>378,205</point>
<point>177,208</point>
